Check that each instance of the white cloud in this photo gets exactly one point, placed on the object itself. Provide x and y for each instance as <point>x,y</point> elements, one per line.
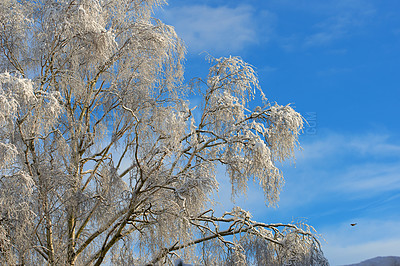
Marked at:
<point>325,22</point>
<point>333,144</point>
<point>345,168</point>
<point>367,180</point>
<point>266,69</point>
<point>333,29</point>
<point>216,29</point>
<point>362,166</point>
<point>339,255</point>
<point>334,71</point>
<point>344,18</point>
<point>369,238</point>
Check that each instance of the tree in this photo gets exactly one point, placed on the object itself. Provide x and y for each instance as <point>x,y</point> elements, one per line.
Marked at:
<point>101,158</point>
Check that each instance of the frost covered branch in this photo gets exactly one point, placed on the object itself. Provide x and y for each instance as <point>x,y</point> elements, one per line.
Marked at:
<point>105,160</point>
<point>281,245</point>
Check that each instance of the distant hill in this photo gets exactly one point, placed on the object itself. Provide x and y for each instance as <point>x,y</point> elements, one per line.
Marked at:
<point>379,261</point>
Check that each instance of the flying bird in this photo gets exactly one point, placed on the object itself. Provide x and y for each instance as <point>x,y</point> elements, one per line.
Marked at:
<point>353,224</point>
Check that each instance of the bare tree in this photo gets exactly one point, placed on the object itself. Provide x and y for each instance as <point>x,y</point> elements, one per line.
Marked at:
<point>102,159</point>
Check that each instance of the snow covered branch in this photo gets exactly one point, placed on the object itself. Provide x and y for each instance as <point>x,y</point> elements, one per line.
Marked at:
<point>105,160</point>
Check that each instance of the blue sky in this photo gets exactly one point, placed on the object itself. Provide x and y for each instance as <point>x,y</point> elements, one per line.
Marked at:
<point>338,63</point>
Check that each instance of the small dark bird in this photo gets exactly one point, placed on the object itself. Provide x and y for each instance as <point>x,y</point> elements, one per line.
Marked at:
<point>353,224</point>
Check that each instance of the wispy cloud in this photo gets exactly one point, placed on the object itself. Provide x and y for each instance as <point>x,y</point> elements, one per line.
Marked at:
<point>346,178</point>
<point>367,145</point>
<point>362,166</point>
<point>368,180</point>
<point>369,238</point>
<point>343,171</point>
<point>334,28</point>
<point>343,19</point>
<point>216,29</point>
<point>334,71</point>
<point>325,22</point>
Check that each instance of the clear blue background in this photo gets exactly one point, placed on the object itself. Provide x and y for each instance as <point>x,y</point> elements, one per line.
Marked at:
<point>337,62</point>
